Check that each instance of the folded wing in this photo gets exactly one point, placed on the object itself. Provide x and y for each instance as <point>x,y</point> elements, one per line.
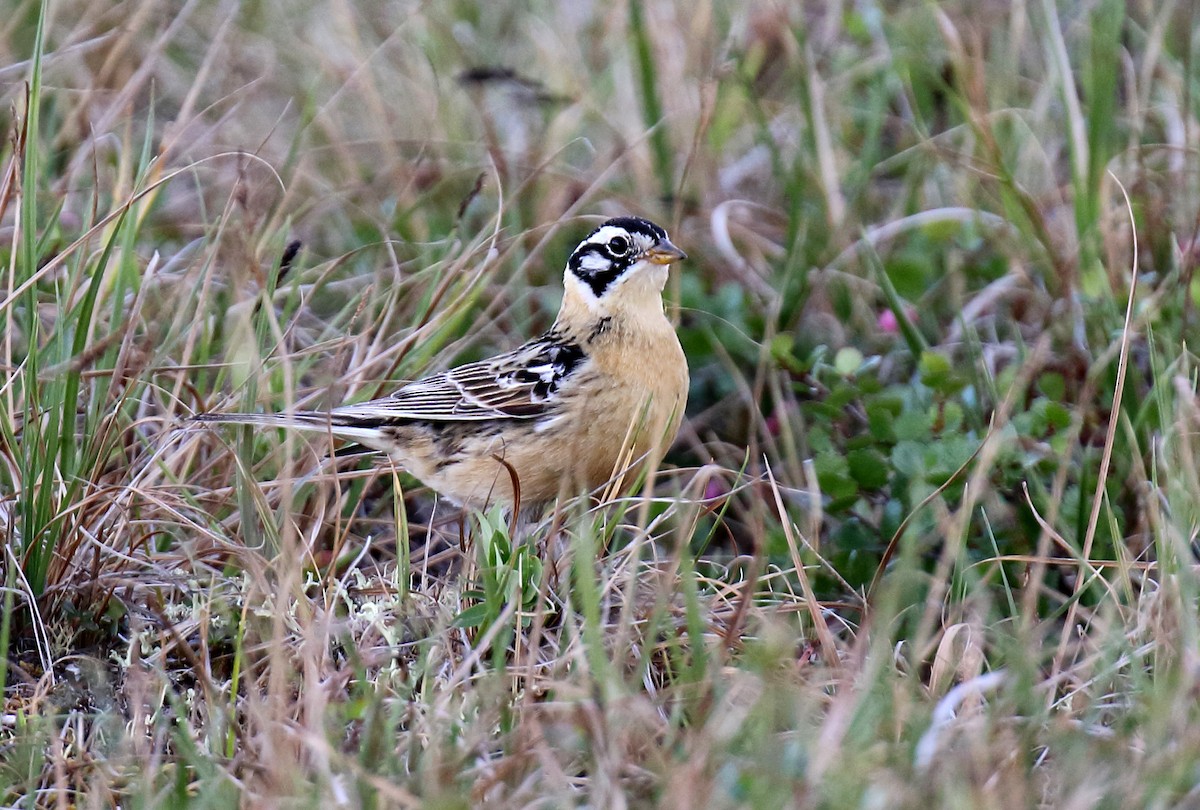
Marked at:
<point>521,384</point>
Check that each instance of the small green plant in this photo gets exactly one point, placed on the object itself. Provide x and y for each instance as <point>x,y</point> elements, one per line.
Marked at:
<point>508,578</point>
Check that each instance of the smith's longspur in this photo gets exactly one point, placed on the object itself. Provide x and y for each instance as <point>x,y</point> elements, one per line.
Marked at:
<point>602,391</point>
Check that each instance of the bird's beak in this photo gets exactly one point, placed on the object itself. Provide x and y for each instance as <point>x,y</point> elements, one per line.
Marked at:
<point>664,253</point>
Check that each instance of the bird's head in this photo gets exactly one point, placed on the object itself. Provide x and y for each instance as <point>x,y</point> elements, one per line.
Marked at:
<point>624,260</point>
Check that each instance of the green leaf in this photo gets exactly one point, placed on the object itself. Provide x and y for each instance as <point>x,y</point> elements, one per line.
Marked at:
<point>1053,385</point>
<point>880,419</point>
<point>1045,417</point>
<point>819,440</point>
<point>910,276</point>
<point>937,372</point>
<point>839,397</point>
<point>908,457</point>
<point>952,417</point>
<point>913,425</point>
<point>933,366</point>
<point>473,616</point>
<point>833,475</point>
<point>946,456</point>
<point>782,352</point>
<point>868,467</point>
<point>847,361</point>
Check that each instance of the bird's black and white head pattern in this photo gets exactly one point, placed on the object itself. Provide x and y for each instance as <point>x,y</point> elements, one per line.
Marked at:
<point>612,250</point>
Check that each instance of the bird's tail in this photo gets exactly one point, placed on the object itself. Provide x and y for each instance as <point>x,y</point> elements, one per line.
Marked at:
<point>312,421</point>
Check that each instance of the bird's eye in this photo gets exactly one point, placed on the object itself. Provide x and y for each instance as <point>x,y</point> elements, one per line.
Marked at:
<point>618,246</point>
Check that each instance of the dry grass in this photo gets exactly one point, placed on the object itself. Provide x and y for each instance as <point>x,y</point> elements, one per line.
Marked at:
<point>928,536</point>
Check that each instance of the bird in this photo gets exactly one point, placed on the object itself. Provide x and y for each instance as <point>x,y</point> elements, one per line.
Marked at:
<point>583,405</point>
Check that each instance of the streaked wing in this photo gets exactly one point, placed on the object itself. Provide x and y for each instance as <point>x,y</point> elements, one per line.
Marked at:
<point>521,384</point>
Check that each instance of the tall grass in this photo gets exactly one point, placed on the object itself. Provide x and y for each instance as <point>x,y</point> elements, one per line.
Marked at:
<point>927,537</point>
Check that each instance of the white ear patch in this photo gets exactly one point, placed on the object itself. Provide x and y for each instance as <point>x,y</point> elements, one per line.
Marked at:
<point>594,263</point>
